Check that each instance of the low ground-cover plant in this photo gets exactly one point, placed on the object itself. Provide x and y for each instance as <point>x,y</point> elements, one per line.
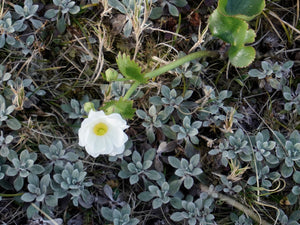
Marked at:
<point>175,133</point>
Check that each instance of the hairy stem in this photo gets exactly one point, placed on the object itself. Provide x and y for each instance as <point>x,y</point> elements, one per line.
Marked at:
<point>131,90</point>
<point>169,67</point>
<point>179,62</point>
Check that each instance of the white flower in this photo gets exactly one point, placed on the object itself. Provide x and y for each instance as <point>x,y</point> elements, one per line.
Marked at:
<point>103,134</point>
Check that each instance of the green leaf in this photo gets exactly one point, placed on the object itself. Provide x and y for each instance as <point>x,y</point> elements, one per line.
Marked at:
<point>107,213</point>
<point>243,9</point>
<point>296,177</point>
<point>156,12</point>
<point>174,161</point>
<point>173,10</point>
<point>145,196</point>
<point>287,171</point>
<point>28,197</point>
<point>177,216</point>
<point>188,182</point>
<point>61,25</point>
<point>18,183</point>
<point>122,106</point>
<point>153,175</point>
<point>133,179</point>
<point>174,186</point>
<point>117,5</point>
<point>13,124</point>
<point>241,57</point>
<point>130,69</point>
<point>229,29</point>
<point>156,203</point>
<point>51,200</point>
<point>2,40</point>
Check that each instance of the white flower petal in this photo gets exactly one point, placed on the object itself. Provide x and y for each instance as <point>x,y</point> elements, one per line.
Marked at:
<point>111,143</point>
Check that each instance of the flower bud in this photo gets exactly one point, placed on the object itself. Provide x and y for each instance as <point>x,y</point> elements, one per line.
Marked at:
<point>88,106</point>
<point>111,75</point>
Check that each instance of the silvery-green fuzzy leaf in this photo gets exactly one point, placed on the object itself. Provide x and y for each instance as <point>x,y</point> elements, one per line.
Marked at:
<point>173,10</point>
<point>175,128</point>
<point>107,213</point>
<point>174,161</point>
<point>272,159</point>
<point>195,160</point>
<point>292,200</point>
<point>28,197</point>
<point>165,91</point>
<point>175,186</point>
<point>141,114</point>
<point>127,28</point>
<point>71,156</point>
<point>296,177</point>
<point>188,182</point>
<point>23,173</point>
<point>156,12</point>
<point>61,24</point>
<point>237,188</point>
<point>51,200</point>
<point>37,169</point>
<point>178,216</point>
<point>36,23</point>
<point>154,190</point>
<point>33,9</point>
<point>197,171</point>
<point>51,13</point>
<point>133,179</point>
<point>150,154</point>
<point>2,40</point>
<point>286,171</point>
<point>18,183</point>
<point>117,5</point>
<point>136,157</point>
<point>153,175</point>
<point>296,190</point>
<point>18,9</point>
<point>74,10</point>
<point>145,196</point>
<point>70,4</point>
<point>156,203</point>
<point>252,180</point>
<point>192,221</point>
<point>11,171</point>
<point>176,203</point>
<point>10,40</point>
<point>150,134</point>
<point>124,174</point>
<point>146,164</point>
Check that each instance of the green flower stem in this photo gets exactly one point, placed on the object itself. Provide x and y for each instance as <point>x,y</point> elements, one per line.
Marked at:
<point>10,195</point>
<point>131,90</point>
<point>169,67</point>
<point>179,62</point>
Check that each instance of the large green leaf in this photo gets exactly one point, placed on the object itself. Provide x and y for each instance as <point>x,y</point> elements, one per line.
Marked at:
<point>242,56</point>
<point>243,9</point>
<point>229,29</point>
<point>130,69</point>
<point>121,106</point>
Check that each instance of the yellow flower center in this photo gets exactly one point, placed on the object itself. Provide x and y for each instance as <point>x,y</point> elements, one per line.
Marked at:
<point>100,129</point>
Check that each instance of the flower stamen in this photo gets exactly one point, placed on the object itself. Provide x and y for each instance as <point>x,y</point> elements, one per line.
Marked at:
<point>100,129</point>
